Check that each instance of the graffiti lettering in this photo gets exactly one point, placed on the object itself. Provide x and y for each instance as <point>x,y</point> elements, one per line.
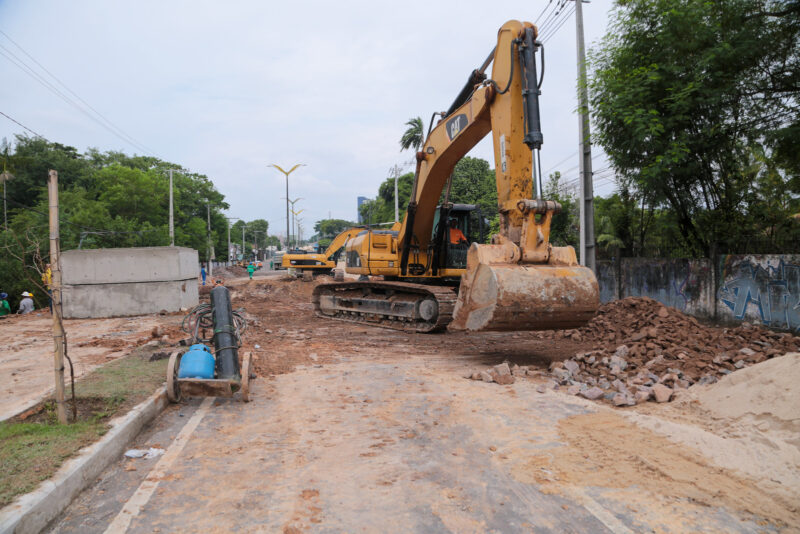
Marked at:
<point>774,292</point>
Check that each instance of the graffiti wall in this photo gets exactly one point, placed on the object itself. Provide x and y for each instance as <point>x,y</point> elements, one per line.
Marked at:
<point>761,289</point>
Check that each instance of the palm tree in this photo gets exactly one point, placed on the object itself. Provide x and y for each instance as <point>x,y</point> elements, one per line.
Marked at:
<point>413,136</point>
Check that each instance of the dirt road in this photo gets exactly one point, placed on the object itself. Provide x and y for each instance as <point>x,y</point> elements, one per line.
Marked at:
<point>358,429</point>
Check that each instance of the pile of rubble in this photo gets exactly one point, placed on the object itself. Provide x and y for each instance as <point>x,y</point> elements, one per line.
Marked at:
<point>644,351</point>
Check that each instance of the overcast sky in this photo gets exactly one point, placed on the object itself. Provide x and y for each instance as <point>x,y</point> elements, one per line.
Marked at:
<point>226,88</point>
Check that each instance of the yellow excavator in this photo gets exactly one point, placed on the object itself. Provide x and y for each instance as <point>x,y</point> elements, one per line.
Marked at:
<point>321,263</point>
<point>520,281</point>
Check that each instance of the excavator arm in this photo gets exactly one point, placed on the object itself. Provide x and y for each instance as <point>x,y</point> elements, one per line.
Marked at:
<point>339,241</point>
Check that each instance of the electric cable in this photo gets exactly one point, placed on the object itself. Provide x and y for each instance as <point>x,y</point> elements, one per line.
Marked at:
<point>19,123</point>
<point>62,84</point>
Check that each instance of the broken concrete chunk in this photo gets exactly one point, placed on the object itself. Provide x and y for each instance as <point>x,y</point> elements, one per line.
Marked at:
<point>572,367</point>
<point>486,377</point>
<point>662,393</point>
<point>616,361</point>
<point>622,399</point>
<point>593,393</point>
<point>622,351</point>
<point>504,380</point>
<point>502,369</point>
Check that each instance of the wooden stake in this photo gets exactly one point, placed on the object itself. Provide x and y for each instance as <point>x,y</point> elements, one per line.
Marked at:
<point>55,287</point>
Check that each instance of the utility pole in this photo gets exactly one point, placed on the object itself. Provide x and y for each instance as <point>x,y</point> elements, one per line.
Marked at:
<point>208,252</point>
<point>229,219</point>
<point>5,176</point>
<point>171,217</point>
<point>396,172</point>
<point>55,286</point>
<point>587,246</point>
<point>287,173</point>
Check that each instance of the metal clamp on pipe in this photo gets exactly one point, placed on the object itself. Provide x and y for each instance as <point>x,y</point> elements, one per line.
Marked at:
<point>538,206</point>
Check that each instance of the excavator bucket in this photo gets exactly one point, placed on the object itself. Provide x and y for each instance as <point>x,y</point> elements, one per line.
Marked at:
<point>498,293</point>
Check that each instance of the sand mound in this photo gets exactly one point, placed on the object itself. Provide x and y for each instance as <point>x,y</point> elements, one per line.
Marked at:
<point>768,392</point>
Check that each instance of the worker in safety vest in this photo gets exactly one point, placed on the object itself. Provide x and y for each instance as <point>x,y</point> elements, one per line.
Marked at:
<point>457,237</point>
<point>47,280</point>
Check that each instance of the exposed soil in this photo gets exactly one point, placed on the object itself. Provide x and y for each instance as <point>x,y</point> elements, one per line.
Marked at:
<point>26,354</point>
<point>288,333</point>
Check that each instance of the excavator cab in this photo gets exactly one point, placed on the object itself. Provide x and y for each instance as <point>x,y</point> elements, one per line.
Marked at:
<point>455,228</point>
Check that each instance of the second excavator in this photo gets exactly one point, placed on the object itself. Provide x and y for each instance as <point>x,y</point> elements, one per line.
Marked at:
<point>322,262</point>
<point>520,281</point>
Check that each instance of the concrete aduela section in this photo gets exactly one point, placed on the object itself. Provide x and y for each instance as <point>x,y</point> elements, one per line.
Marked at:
<point>128,281</point>
<point>761,289</point>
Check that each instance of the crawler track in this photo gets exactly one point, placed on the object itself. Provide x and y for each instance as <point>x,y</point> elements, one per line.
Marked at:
<point>394,305</point>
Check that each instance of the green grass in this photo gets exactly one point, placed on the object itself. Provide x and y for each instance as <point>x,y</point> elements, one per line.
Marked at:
<point>32,451</point>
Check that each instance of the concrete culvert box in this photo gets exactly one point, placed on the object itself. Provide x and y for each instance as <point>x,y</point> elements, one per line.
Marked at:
<point>128,281</point>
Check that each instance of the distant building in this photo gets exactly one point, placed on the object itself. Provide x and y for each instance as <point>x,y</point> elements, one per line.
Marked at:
<point>361,200</point>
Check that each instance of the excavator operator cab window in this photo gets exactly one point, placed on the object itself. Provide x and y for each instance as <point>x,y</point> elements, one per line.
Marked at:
<point>457,235</point>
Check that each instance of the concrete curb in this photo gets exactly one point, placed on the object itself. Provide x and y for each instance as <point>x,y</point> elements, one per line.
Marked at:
<point>32,512</point>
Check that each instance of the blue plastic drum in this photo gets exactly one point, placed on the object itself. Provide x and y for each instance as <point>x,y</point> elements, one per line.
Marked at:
<point>198,362</point>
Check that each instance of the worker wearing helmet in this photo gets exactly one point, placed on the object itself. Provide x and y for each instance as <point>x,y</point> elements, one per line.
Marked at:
<point>457,237</point>
<point>26,304</point>
<point>5,308</point>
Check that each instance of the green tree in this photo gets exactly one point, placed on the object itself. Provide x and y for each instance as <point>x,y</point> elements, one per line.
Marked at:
<point>414,135</point>
<point>564,226</point>
<point>683,92</point>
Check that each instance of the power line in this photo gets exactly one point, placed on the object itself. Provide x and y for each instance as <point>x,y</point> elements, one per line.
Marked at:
<point>553,29</point>
<point>551,16</point>
<point>16,121</point>
<point>30,71</point>
<point>546,7</point>
<point>73,92</point>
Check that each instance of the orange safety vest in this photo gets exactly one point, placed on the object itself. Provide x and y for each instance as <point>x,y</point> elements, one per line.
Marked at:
<point>456,236</point>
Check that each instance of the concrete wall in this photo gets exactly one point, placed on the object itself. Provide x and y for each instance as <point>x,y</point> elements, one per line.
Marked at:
<point>759,289</point>
<point>128,281</point>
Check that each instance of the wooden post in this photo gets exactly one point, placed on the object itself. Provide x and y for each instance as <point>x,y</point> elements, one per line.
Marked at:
<point>55,287</point>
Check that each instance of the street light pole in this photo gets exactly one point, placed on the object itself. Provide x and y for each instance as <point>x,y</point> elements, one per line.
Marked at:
<point>295,222</point>
<point>287,173</point>
<point>229,219</point>
<point>290,201</point>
